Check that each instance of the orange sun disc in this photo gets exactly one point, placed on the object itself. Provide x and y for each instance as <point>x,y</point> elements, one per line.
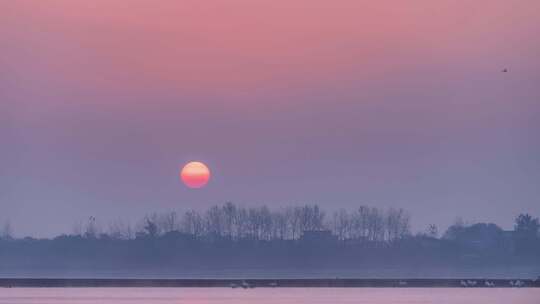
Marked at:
<point>195,174</point>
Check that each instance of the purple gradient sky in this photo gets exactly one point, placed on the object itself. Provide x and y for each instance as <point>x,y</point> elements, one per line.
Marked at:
<point>340,103</point>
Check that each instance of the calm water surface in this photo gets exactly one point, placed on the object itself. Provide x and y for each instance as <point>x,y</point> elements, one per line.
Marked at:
<point>269,295</point>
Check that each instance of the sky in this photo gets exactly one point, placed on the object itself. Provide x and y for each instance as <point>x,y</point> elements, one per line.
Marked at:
<point>339,103</point>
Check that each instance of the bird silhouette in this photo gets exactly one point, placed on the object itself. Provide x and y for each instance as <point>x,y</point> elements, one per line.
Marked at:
<point>505,71</point>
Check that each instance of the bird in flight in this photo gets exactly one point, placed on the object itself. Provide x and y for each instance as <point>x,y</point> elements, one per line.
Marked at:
<point>505,71</point>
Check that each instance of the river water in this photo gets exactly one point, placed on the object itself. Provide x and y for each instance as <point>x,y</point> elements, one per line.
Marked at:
<point>269,295</point>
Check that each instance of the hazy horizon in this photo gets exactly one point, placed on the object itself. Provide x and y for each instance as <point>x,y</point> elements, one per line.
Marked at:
<point>340,104</point>
<point>136,223</point>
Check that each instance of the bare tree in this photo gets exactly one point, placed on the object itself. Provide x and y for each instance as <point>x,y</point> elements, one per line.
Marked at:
<point>254,224</point>
<point>169,222</point>
<point>261,223</point>
<point>120,230</point>
<point>311,218</point>
<point>77,228</point>
<point>397,224</point>
<point>151,228</point>
<point>294,216</point>
<point>7,231</point>
<point>214,221</point>
<point>527,226</point>
<point>375,225</point>
<point>192,223</point>
<point>360,223</point>
<point>241,223</point>
<point>229,219</point>
<point>280,225</point>
<point>341,224</point>
<point>432,231</point>
<point>92,229</point>
<point>265,218</point>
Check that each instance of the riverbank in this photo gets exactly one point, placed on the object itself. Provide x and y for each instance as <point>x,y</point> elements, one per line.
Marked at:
<point>271,283</point>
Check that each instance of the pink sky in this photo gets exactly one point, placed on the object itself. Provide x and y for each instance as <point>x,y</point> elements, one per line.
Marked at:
<point>335,102</point>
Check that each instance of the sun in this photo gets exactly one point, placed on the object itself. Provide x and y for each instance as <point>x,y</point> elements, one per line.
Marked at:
<point>195,174</point>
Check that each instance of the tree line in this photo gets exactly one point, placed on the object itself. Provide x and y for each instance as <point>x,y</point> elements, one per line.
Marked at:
<point>298,239</point>
<point>233,222</point>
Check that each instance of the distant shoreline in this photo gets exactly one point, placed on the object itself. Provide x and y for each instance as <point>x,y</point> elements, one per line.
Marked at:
<point>271,283</point>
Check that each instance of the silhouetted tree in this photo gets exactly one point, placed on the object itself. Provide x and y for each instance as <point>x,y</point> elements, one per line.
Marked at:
<point>432,231</point>
<point>229,215</point>
<point>169,222</point>
<point>280,222</point>
<point>92,228</point>
<point>341,224</point>
<point>214,221</point>
<point>454,230</point>
<point>527,225</point>
<point>151,228</point>
<point>231,236</point>
<point>192,223</point>
<point>120,230</point>
<point>7,231</point>
<point>526,234</point>
<point>397,224</point>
